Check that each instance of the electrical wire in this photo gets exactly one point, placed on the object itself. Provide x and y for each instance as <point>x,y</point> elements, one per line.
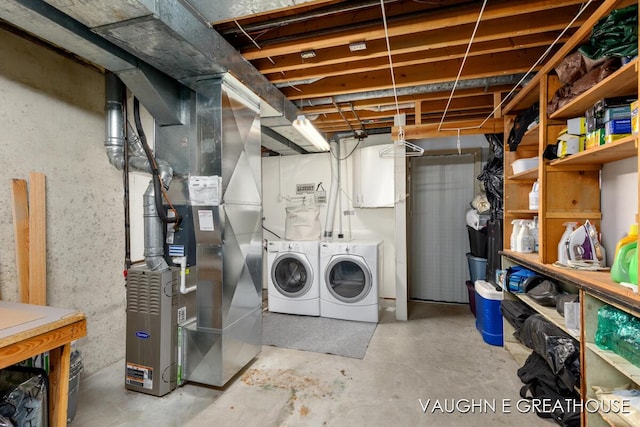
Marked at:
<point>390,151</point>
<point>386,36</point>
<point>158,186</point>
<point>464,60</point>
<point>348,155</point>
<point>252,40</point>
<point>269,231</point>
<point>583,7</point>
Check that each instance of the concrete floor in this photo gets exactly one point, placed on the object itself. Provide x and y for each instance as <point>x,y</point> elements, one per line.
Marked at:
<point>436,358</point>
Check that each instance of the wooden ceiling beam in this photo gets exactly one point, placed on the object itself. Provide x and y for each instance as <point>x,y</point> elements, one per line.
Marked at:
<point>428,46</point>
<point>439,19</point>
<point>418,58</point>
<point>467,127</point>
<point>419,97</point>
<point>504,63</point>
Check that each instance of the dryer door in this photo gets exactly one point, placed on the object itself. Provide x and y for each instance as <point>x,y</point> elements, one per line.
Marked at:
<point>292,274</point>
<point>348,278</point>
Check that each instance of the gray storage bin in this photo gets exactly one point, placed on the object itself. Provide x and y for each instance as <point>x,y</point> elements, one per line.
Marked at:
<point>74,384</point>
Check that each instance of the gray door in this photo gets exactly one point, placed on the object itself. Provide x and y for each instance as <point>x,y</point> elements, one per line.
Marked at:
<point>441,189</point>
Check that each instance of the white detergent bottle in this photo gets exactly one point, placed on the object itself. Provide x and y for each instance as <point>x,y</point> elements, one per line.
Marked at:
<point>534,233</point>
<point>563,244</point>
<point>517,223</point>
<point>524,242</point>
<point>534,197</point>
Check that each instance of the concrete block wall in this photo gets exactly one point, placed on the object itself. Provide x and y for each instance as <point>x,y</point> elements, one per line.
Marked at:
<point>52,121</point>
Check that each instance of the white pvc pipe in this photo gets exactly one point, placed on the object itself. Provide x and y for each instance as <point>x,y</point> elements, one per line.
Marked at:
<point>182,260</point>
<point>333,192</point>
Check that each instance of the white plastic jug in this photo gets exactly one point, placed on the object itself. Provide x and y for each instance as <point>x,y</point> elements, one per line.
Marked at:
<point>517,223</point>
<point>534,197</point>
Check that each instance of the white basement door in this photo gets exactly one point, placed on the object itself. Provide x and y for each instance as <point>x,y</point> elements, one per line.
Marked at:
<point>442,187</point>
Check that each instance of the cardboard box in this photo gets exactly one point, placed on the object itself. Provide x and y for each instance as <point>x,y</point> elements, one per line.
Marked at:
<point>577,126</point>
<point>570,144</point>
<point>614,137</point>
<point>593,121</point>
<point>594,139</point>
<point>620,126</point>
<point>617,113</point>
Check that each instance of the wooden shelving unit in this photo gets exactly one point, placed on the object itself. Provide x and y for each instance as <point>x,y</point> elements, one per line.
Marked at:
<point>570,191</point>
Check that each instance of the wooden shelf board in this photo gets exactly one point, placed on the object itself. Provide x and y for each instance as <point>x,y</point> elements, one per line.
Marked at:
<point>512,212</point>
<point>624,148</point>
<point>580,215</point>
<point>530,93</point>
<point>529,174</point>
<point>519,352</point>
<point>625,367</point>
<point>550,313</point>
<point>622,82</point>
<point>530,137</point>
<point>598,283</point>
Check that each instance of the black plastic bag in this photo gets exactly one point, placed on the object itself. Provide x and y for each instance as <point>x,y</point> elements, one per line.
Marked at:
<point>492,176</point>
<point>559,349</point>
<point>541,384</point>
<point>521,124</point>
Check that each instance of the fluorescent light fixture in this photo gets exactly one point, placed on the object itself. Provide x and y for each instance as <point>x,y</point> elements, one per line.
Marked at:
<point>304,126</point>
<point>354,47</point>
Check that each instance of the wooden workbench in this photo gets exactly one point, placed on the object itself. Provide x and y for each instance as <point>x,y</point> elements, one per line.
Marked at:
<point>28,330</point>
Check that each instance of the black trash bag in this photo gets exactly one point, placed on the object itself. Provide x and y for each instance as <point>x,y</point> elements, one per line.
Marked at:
<point>515,312</point>
<point>496,144</point>
<point>492,176</point>
<point>614,35</point>
<point>559,349</point>
<point>521,124</point>
<point>542,385</point>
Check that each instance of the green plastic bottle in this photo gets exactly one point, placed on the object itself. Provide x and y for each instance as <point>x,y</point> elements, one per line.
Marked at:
<point>631,236</point>
<point>633,266</point>
<point>622,263</point>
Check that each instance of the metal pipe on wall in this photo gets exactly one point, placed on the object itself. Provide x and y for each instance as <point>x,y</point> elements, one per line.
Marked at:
<point>115,146</point>
<point>333,192</point>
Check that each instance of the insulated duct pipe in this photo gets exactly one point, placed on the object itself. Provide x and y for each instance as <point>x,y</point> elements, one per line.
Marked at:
<point>335,184</point>
<point>153,232</point>
<point>115,144</point>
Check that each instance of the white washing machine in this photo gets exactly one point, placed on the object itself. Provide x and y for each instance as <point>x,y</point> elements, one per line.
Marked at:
<point>351,274</point>
<point>293,284</point>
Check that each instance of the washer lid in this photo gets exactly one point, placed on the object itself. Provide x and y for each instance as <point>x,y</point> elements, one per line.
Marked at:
<point>348,278</point>
<point>292,274</point>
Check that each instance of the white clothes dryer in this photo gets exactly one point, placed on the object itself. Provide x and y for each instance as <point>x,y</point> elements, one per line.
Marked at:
<point>351,275</point>
<point>293,284</point>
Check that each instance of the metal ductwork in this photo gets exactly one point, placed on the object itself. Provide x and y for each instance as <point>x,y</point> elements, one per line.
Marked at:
<point>115,144</point>
<point>485,82</point>
<point>148,44</point>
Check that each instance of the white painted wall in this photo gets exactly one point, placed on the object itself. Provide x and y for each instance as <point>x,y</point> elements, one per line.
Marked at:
<point>52,121</point>
<point>619,208</point>
<point>280,175</point>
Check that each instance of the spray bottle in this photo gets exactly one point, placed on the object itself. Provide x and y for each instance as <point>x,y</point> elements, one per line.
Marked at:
<point>563,253</point>
<point>524,242</point>
<point>534,197</point>
<point>517,223</point>
<point>534,233</point>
